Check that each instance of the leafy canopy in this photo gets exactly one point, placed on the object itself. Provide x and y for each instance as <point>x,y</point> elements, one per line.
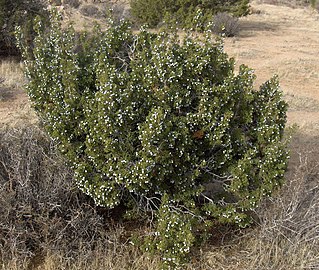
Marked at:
<point>186,13</point>
<point>160,124</point>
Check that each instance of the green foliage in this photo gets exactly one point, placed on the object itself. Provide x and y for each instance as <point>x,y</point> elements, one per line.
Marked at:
<point>186,13</point>
<point>13,13</point>
<point>174,234</point>
<point>148,11</point>
<point>314,4</point>
<point>159,124</point>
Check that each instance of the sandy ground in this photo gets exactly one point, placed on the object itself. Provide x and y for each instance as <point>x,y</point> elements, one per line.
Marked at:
<point>273,40</point>
<point>284,41</point>
<point>15,109</point>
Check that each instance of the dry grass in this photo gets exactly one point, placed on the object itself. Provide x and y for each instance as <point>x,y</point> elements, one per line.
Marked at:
<point>11,78</point>
<point>11,72</point>
<point>15,108</point>
<point>289,3</point>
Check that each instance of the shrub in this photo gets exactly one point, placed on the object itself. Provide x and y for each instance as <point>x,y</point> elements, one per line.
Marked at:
<point>148,11</point>
<point>72,3</point>
<point>120,12</point>
<point>90,11</point>
<point>13,13</point>
<point>161,126</point>
<point>315,4</point>
<point>184,12</point>
<point>225,24</point>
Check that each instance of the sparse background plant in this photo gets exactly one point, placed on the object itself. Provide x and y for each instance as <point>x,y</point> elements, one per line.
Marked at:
<point>315,4</point>
<point>90,11</point>
<point>73,3</point>
<point>225,24</point>
<point>41,209</point>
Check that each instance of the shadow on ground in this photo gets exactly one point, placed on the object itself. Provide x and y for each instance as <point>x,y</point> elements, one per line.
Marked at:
<point>7,94</point>
<point>249,28</point>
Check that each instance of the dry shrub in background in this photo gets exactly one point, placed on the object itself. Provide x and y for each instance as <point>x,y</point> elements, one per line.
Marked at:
<point>289,228</point>
<point>117,10</point>
<point>120,11</point>
<point>226,24</point>
<point>72,3</point>
<point>90,11</point>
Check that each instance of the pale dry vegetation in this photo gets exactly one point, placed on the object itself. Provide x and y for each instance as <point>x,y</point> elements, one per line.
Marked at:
<point>11,73</point>
<point>15,108</point>
<point>291,3</point>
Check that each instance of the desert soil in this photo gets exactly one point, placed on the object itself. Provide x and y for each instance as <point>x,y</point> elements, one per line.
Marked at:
<point>284,41</point>
<point>273,40</point>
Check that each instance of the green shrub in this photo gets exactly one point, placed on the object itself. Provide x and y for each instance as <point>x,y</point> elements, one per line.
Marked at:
<point>184,12</point>
<point>315,4</point>
<point>148,11</point>
<point>160,125</point>
<point>13,13</point>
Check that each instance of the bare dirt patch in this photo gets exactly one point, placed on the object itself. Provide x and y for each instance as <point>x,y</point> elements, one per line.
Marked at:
<point>284,41</point>
<point>15,108</point>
